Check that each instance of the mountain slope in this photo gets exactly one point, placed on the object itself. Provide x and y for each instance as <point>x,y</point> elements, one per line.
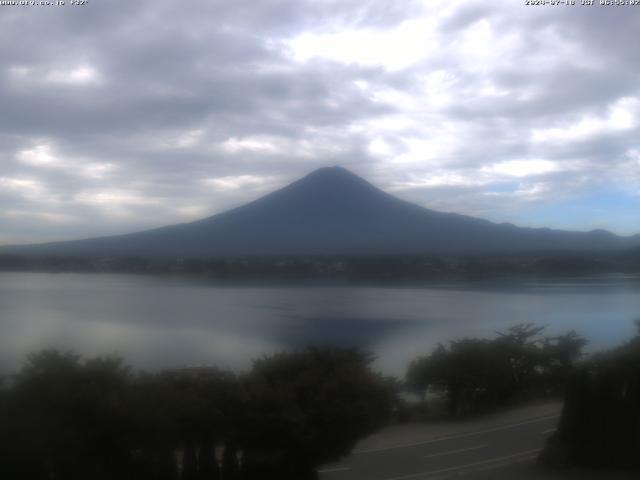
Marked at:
<point>332,211</point>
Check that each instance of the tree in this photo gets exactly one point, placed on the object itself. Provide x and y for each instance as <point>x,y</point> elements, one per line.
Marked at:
<point>426,372</point>
<point>310,407</point>
<point>520,346</point>
<point>601,414</point>
<point>479,374</point>
<point>68,419</point>
<point>559,356</point>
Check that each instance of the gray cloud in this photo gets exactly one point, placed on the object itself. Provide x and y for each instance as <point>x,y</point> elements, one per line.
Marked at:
<point>125,115</point>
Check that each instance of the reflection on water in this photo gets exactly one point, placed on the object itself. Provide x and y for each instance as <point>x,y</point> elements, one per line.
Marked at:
<point>158,322</point>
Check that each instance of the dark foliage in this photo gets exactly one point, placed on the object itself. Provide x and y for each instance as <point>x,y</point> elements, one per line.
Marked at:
<point>478,374</point>
<point>600,423</point>
<point>67,418</point>
<point>336,267</point>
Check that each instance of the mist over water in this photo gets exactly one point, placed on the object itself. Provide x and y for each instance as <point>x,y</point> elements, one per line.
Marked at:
<point>159,322</point>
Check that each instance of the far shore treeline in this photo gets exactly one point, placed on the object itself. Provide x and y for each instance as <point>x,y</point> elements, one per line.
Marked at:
<point>65,417</point>
<point>350,267</point>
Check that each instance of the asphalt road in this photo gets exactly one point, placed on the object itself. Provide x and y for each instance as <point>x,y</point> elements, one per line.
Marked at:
<point>471,454</point>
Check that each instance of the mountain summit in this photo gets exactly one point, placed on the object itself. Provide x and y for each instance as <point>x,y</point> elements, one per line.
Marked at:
<point>333,211</point>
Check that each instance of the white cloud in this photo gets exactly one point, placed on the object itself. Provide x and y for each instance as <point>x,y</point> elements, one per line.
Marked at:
<point>254,144</point>
<point>317,142</point>
<point>532,192</point>
<point>380,148</point>
<point>432,149</point>
<point>396,48</point>
<point>48,217</point>
<point>439,179</point>
<point>621,115</point>
<point>43,155</point>
<point>118,202</point>
<point>20,184</point>
<point>480,48</point>
<point>193,211</point>
<point>79,75</point>
<point>40,155</point>
<point>229,183</point>
<point>96,170</point>
<point>521,168</point>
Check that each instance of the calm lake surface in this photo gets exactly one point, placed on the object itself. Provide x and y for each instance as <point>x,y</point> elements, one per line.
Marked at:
<point>163,321</point>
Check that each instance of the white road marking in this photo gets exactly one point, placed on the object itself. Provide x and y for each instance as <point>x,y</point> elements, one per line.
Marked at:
<point>546,432</point>
<point>455,436</point>
<point>460,450</point>
<point>498,460</point>
<point>337,469</point>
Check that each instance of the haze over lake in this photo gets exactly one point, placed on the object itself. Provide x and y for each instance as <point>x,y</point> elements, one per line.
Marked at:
<point>167,321</point>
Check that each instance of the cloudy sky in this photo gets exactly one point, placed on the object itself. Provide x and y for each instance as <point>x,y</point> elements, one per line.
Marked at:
<point>123,115</point>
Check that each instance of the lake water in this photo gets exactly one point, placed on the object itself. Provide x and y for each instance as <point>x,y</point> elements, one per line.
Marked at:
<point>164,321</point>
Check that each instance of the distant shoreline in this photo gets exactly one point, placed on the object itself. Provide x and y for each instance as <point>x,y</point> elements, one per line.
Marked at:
<point>339,268</point>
